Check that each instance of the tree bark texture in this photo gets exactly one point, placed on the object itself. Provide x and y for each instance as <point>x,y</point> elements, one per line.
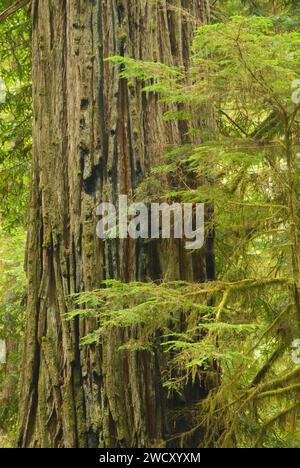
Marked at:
<point>96,136</point>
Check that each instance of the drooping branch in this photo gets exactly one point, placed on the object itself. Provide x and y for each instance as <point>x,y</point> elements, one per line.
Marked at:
<point>268,365</point>
<point>277,418</point>
<point>12,9</point>
<point>278,391</point>
<point>233,122</point>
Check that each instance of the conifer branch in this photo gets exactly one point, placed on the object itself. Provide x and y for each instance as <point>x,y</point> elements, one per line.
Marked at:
<point>12,9</point>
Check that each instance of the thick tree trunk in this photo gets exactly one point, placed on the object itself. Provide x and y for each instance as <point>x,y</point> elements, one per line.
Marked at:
<point>95,136</point>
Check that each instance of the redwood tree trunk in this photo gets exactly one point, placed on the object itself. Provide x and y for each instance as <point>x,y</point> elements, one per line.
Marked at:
<point>95,137</point>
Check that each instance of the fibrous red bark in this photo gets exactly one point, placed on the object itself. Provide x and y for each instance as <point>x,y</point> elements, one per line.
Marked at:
<point>95,137</point>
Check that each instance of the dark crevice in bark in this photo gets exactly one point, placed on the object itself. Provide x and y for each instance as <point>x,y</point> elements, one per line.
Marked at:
<point>94,139</point>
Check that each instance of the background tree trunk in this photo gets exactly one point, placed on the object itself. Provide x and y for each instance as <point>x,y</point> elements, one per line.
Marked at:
<point>95,137</point>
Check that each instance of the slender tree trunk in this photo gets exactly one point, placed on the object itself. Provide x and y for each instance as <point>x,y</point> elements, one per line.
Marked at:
<point>95,137</point>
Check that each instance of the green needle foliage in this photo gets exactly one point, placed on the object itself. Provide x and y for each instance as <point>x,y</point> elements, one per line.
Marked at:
<point>242,161</point>
<point>15,117</point>
<point>12,317</point>
<point>248,335</point>
<point>15,155</point>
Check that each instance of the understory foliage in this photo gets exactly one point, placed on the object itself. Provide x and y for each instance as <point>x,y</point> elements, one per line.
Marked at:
<point>12,317</point>
<point>243,163</point>
<point>15,117</point>
<point>249,335</point>
<point>15,154</point>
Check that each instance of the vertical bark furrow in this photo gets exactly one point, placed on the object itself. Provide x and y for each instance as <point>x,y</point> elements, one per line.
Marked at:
<point>95,137</point>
